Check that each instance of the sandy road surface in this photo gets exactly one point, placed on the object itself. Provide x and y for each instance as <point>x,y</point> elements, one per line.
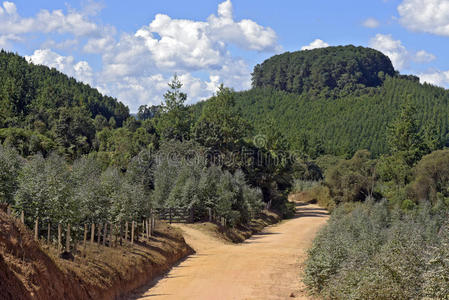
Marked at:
<point>266,266</point>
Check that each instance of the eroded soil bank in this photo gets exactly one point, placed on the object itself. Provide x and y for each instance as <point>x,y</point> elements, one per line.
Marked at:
<point>30,270</point>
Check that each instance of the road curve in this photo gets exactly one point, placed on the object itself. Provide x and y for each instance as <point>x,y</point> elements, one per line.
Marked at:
<point>266,266</point>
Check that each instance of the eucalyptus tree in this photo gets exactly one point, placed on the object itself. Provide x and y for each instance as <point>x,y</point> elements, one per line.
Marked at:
<point>45,190</point>
<point>10,164</point>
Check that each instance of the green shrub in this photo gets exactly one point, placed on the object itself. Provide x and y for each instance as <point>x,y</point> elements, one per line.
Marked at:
<point>10,164</point>
<point>368,251</point>
<point>353,179</point>
<point>432,176</point>
<point>303,185</point>
<point>323,198</point>
<point>188,182</point>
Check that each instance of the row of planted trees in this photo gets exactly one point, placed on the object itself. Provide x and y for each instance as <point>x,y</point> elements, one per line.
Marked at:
<point>51,194</point>
<point>54,192</point>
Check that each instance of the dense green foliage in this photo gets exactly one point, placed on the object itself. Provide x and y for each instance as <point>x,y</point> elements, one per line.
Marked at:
<point>341,69</point>
<point>44,110</point>
<point>370,252</point>
<point>431,178</point>
<point>395,248</point>
<point>86,160</point>
<point>51,190</point>
<point>56,193</point>
<point>338,100</point>
<point>10,164</point>
<point>353,179</point>
<point>189,182</point>
<point>318,124</point>
<point>174,121</point>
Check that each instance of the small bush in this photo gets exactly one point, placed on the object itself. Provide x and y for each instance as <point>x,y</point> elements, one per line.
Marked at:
<point>353,179</point>
<point>303,185</point>
<point>322,195</point>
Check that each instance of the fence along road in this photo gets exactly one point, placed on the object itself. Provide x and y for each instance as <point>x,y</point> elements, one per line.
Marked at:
<point>266,266</point>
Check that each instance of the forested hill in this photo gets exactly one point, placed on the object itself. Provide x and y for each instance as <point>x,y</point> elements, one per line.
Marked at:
<point>45,109</point>
<point>343,68</point>
<point>331,101</point>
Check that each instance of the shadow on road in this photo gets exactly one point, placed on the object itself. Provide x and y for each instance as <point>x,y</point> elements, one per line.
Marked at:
<point>311,212</point>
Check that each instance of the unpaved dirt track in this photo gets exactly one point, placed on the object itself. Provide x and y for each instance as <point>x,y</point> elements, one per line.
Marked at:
<point>266,266</point>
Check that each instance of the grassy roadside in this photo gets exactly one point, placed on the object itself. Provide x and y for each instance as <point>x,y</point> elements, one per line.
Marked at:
<point>31,270</point>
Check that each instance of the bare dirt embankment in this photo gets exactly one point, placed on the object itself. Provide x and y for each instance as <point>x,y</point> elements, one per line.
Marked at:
<point>30,270</point>
<point>266,266</point>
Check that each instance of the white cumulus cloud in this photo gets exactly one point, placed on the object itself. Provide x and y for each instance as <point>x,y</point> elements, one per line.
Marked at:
<point>45,21</point>
<point>245,33</point>
<point>397,52</point>
<point>431,16</point>
<point>150,56</point>
<point>315,44</point>
<point>439,78</point>
<point>424,56</point>
<point>394,49</point>
<point>371,23</point>
<point>66,64</point>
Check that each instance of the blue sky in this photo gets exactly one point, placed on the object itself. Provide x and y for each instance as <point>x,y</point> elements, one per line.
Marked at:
<point>131,49</point>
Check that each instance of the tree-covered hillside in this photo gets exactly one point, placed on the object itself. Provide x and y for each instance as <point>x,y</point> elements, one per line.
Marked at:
<point>344,68</point>
<point>314,119</point>
<point>318,124</point>
<point>46,110</point>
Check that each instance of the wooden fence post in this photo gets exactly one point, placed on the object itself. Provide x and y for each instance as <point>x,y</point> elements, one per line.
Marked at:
<point>59,237</point>
<point>192,219</point>
<point>104,233</point>
<point>143,228</point>
<point>48,232</point>
<point>121,234</point>
<point>111,232</point>
<point>36,229</point>
<point>22,217</point>
<point>152,224</point>
<point>85,238</point>
<point>67,239</point>
<point>126,231</point>
<point>170,214</point>
<point>92,234</point>
<point>209,210</point>
<point>132,233</point>
<point>99,234</point>
<point>8,210</point>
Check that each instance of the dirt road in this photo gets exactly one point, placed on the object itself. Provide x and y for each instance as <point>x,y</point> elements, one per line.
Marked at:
<point>266,266</point>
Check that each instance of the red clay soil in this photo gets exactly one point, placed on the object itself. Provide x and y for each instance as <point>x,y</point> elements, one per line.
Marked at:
<point>29,270</point>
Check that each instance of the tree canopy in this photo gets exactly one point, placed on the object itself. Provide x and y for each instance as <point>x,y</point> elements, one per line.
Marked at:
<point>344,68</point>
